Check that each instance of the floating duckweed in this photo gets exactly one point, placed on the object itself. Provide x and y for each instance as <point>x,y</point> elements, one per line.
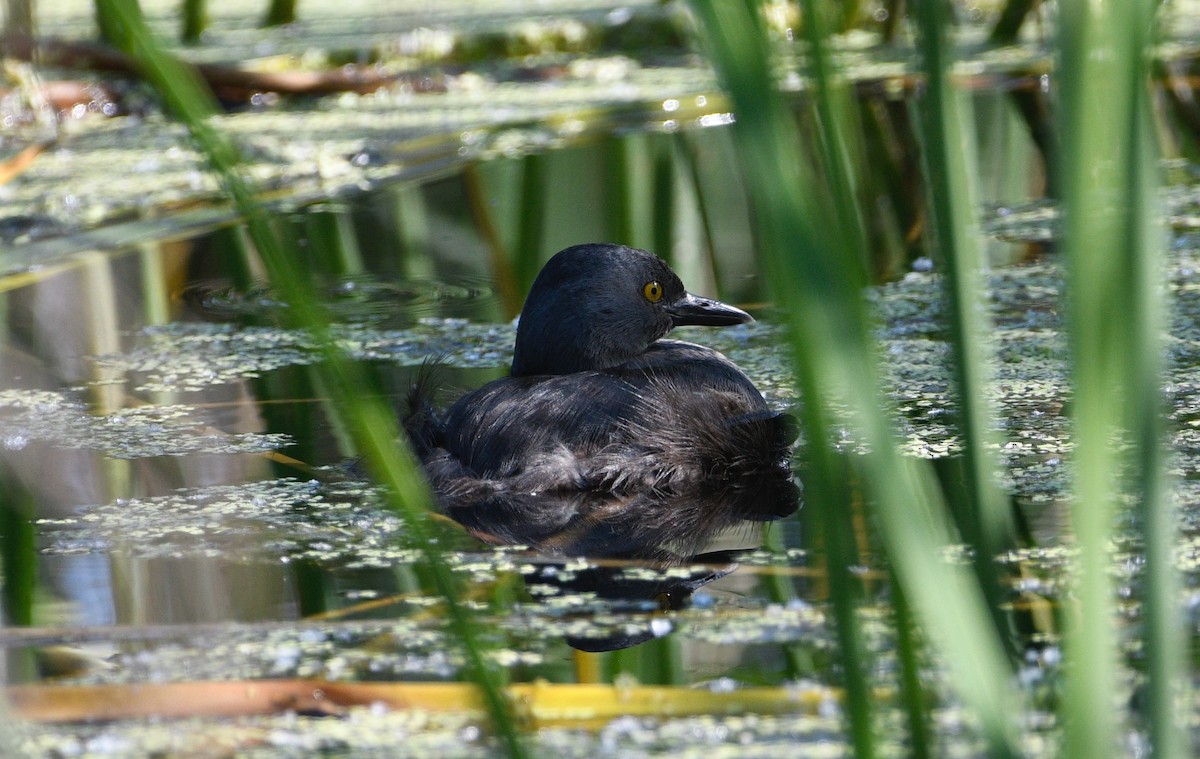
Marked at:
<point>371,731</point>
<point>346,651</point>
<point>282,518</point>
<point>193,356</point>
<point>28,417</point>
<point>190,356</point>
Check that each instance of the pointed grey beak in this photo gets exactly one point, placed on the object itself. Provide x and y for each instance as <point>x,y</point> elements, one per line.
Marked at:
<point>705,312</point>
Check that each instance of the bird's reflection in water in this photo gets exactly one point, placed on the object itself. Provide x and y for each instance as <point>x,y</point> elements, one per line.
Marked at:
<point>638,583</point>
<point>641,595</point>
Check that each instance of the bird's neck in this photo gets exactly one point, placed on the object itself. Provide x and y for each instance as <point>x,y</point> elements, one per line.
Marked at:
<point>544,351</point>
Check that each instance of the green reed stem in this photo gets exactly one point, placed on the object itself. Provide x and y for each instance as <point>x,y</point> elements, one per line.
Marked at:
<point>630,193</point>
<point>369,419</point>
<point>503,274</point>
<point>832,100</point>
<point>412,241</point>
<point>618,195</point>
<point>280,12</point>
<point>1114,253</point>
<point>329,234</point>
<point>195,20</point>
<point>988,524</point>
<point>18,554</point>
<point>832,498</point>
<point>815,279</point>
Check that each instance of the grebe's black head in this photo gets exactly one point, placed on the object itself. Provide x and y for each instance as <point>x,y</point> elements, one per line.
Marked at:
<point>598,305</point>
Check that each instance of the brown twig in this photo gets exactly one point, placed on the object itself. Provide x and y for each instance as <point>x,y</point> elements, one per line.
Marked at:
<point>13,167</point>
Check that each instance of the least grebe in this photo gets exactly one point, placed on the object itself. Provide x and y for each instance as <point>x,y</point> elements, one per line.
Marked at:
<point>607,440</point>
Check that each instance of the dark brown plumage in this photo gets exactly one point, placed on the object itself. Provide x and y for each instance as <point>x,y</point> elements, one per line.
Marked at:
<point>608,440</point>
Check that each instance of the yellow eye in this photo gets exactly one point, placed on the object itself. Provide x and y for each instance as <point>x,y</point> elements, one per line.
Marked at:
<point>653,292</point>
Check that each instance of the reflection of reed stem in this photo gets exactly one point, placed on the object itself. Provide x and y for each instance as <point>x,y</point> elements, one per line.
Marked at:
<point>531,220</point>
<point>498,258</point>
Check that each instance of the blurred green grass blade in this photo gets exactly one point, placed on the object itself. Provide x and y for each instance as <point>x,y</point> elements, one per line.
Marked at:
<point>412,241</point>
<point>1168,674</point>
<point>912,694</point>
<point>369,419</point>
<point>814,278</point>
<point>617,180</point>
<point>831,497</point>
<point>629,190</point>
<point>665,657</point>
<point>234,256</point>
<point>155,296</point>
<point>1012,17</point>
<point>829,494</point>
<point>504,276</point>
<point>833,104</point>
<point>1097,108</point>
<point>987,522</point>
<point>1114,254</point>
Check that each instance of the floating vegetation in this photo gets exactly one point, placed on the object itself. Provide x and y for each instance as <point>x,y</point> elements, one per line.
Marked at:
<point>367,731</point>
<point>190,356</point>
<point>412,643</point>
<point>285,520</point>
<point>396,649</point>
<point>361,732</point>
<point>43,416</point>
<point>1038,220</point>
